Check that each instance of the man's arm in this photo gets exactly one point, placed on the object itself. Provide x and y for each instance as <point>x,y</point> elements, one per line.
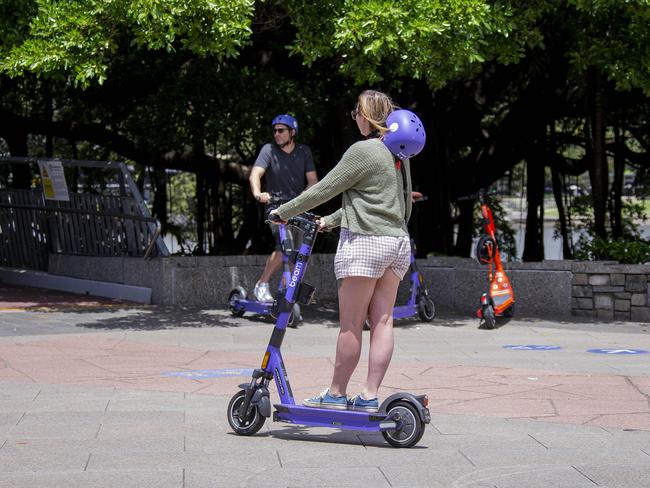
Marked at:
<point>312,178</point>
<point>255,180</point>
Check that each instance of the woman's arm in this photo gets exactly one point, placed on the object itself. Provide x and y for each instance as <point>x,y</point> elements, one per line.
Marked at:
<point>351,168</point>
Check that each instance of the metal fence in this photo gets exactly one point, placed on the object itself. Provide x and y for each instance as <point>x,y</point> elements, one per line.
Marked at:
<point>31,226</point>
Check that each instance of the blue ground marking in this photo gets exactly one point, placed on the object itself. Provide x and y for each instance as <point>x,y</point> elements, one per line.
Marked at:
<point>618,351</point>
<point>531,347</point>
<point>210,373</point>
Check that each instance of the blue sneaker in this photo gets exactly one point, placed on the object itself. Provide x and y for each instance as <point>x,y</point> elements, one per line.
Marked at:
<point>357,402</point>
<point>325,400</point>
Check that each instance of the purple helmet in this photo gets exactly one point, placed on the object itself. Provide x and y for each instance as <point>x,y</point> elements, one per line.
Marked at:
<point>287,120</point>
<point>405,137</point>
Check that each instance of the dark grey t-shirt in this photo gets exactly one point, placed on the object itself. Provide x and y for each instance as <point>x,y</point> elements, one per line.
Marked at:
<point>285,173</point>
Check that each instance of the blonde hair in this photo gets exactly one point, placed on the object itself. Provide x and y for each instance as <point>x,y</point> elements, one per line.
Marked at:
<point>375,107</point>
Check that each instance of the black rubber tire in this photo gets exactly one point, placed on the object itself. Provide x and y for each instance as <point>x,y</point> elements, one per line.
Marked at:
<point>294,317</point>
<point>488,317</point>
<point>236,294</point>
<point>426,309</point>
<point>412,428</point>
<point>248,428</point>
<point>482,247</point>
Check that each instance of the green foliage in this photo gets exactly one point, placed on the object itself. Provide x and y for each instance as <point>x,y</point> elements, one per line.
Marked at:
<point>15,16</point>
<point>623,250</point>
<point>631,248</point>
<point>441,40</point>
<point>432,40</point>
<point>79,38</point>
<point>612,36</point>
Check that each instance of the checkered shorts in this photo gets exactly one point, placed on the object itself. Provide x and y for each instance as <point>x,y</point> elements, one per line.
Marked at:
<point>364,255</point>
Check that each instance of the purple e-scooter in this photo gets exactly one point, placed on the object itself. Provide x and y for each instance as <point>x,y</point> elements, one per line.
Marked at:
<point>401,418</point>
<point>238,301</point>
<point>419,301</point>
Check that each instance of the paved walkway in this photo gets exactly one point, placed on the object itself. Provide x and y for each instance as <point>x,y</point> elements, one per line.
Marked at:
<point>119,395</point>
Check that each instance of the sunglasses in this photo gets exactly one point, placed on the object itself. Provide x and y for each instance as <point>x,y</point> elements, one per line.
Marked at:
<point>281,131</point>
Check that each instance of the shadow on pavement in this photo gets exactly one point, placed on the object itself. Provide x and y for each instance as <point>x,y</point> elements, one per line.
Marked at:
<point>159,317</point>
<point>306,434</point>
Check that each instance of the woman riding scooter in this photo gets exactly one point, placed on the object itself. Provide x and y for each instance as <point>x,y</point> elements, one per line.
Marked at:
<point>374,250</point>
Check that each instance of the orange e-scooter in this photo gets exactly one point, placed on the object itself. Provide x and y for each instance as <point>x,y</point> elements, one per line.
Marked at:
<point>499,301</point>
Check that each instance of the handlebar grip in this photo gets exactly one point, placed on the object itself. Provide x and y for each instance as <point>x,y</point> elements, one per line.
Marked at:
<point>274,219</point>
<point>305,217</point>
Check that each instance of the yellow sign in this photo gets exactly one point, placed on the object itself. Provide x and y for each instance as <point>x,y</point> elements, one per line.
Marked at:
<point>53,178</point>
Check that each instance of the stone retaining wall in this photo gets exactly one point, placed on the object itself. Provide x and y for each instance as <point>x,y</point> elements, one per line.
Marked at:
<point>558,289</point>
<point>611,291</point>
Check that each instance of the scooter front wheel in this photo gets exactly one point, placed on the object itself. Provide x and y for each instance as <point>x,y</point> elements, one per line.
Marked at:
<point>236,294</point>
<point>296,316</point>
<point>410,427</point>
<point>244,427</point>
<point>426,309</point>
<point>488,317</point>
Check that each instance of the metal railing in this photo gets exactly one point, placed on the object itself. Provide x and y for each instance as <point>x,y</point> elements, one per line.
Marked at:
<point>31,226</point>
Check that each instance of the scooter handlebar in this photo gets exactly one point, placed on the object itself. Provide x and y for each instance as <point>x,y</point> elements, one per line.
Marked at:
<point>307,218</point>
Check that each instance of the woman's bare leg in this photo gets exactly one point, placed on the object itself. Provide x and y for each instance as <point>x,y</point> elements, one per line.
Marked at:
<point>380,315</point>
<point>355,293</point>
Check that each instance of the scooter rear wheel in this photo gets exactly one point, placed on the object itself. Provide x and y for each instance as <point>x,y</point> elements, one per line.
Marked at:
<point>236,294</point>
<point>426,309</point>
<point>251,425</point>
<point>410,427</point>
<point>488,317</point>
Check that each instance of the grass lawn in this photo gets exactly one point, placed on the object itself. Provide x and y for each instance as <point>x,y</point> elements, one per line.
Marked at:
<point>516,204</point>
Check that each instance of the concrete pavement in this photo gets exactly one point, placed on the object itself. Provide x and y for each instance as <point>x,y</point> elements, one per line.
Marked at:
<point>111,394</point>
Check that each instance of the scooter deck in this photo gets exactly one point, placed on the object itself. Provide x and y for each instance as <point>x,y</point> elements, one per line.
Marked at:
<point>404,311</point>
<point>252,306</point>
<point>329,417</point>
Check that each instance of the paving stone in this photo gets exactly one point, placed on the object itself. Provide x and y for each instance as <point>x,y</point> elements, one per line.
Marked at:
<point>100,409</point>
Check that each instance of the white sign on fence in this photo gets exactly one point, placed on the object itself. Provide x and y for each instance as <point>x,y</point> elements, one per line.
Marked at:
<point>53,178</point>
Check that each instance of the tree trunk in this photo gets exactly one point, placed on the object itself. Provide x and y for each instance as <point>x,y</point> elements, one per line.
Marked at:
<point>598,172</point>
<point>433,228</point>
<point>558,191</point>
<point>159,207</point>
<point>200,214</point>
<point>49,116</point>
<point>534,238</point>
<point>22,176</point>
<point>617,186</point>
<point>74,179</point>
<point>466,228</point>
<point>567,252</point>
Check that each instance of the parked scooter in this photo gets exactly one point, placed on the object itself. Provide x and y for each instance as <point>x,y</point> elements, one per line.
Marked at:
<point>238,302</point>
<point>419,301</point>
<point>499,301</point>
<point>401,418</point>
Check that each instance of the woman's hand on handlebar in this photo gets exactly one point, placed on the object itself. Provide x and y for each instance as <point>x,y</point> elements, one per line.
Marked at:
<point>274,218</point>
<point>263,197</point>
<point>322,226</point>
